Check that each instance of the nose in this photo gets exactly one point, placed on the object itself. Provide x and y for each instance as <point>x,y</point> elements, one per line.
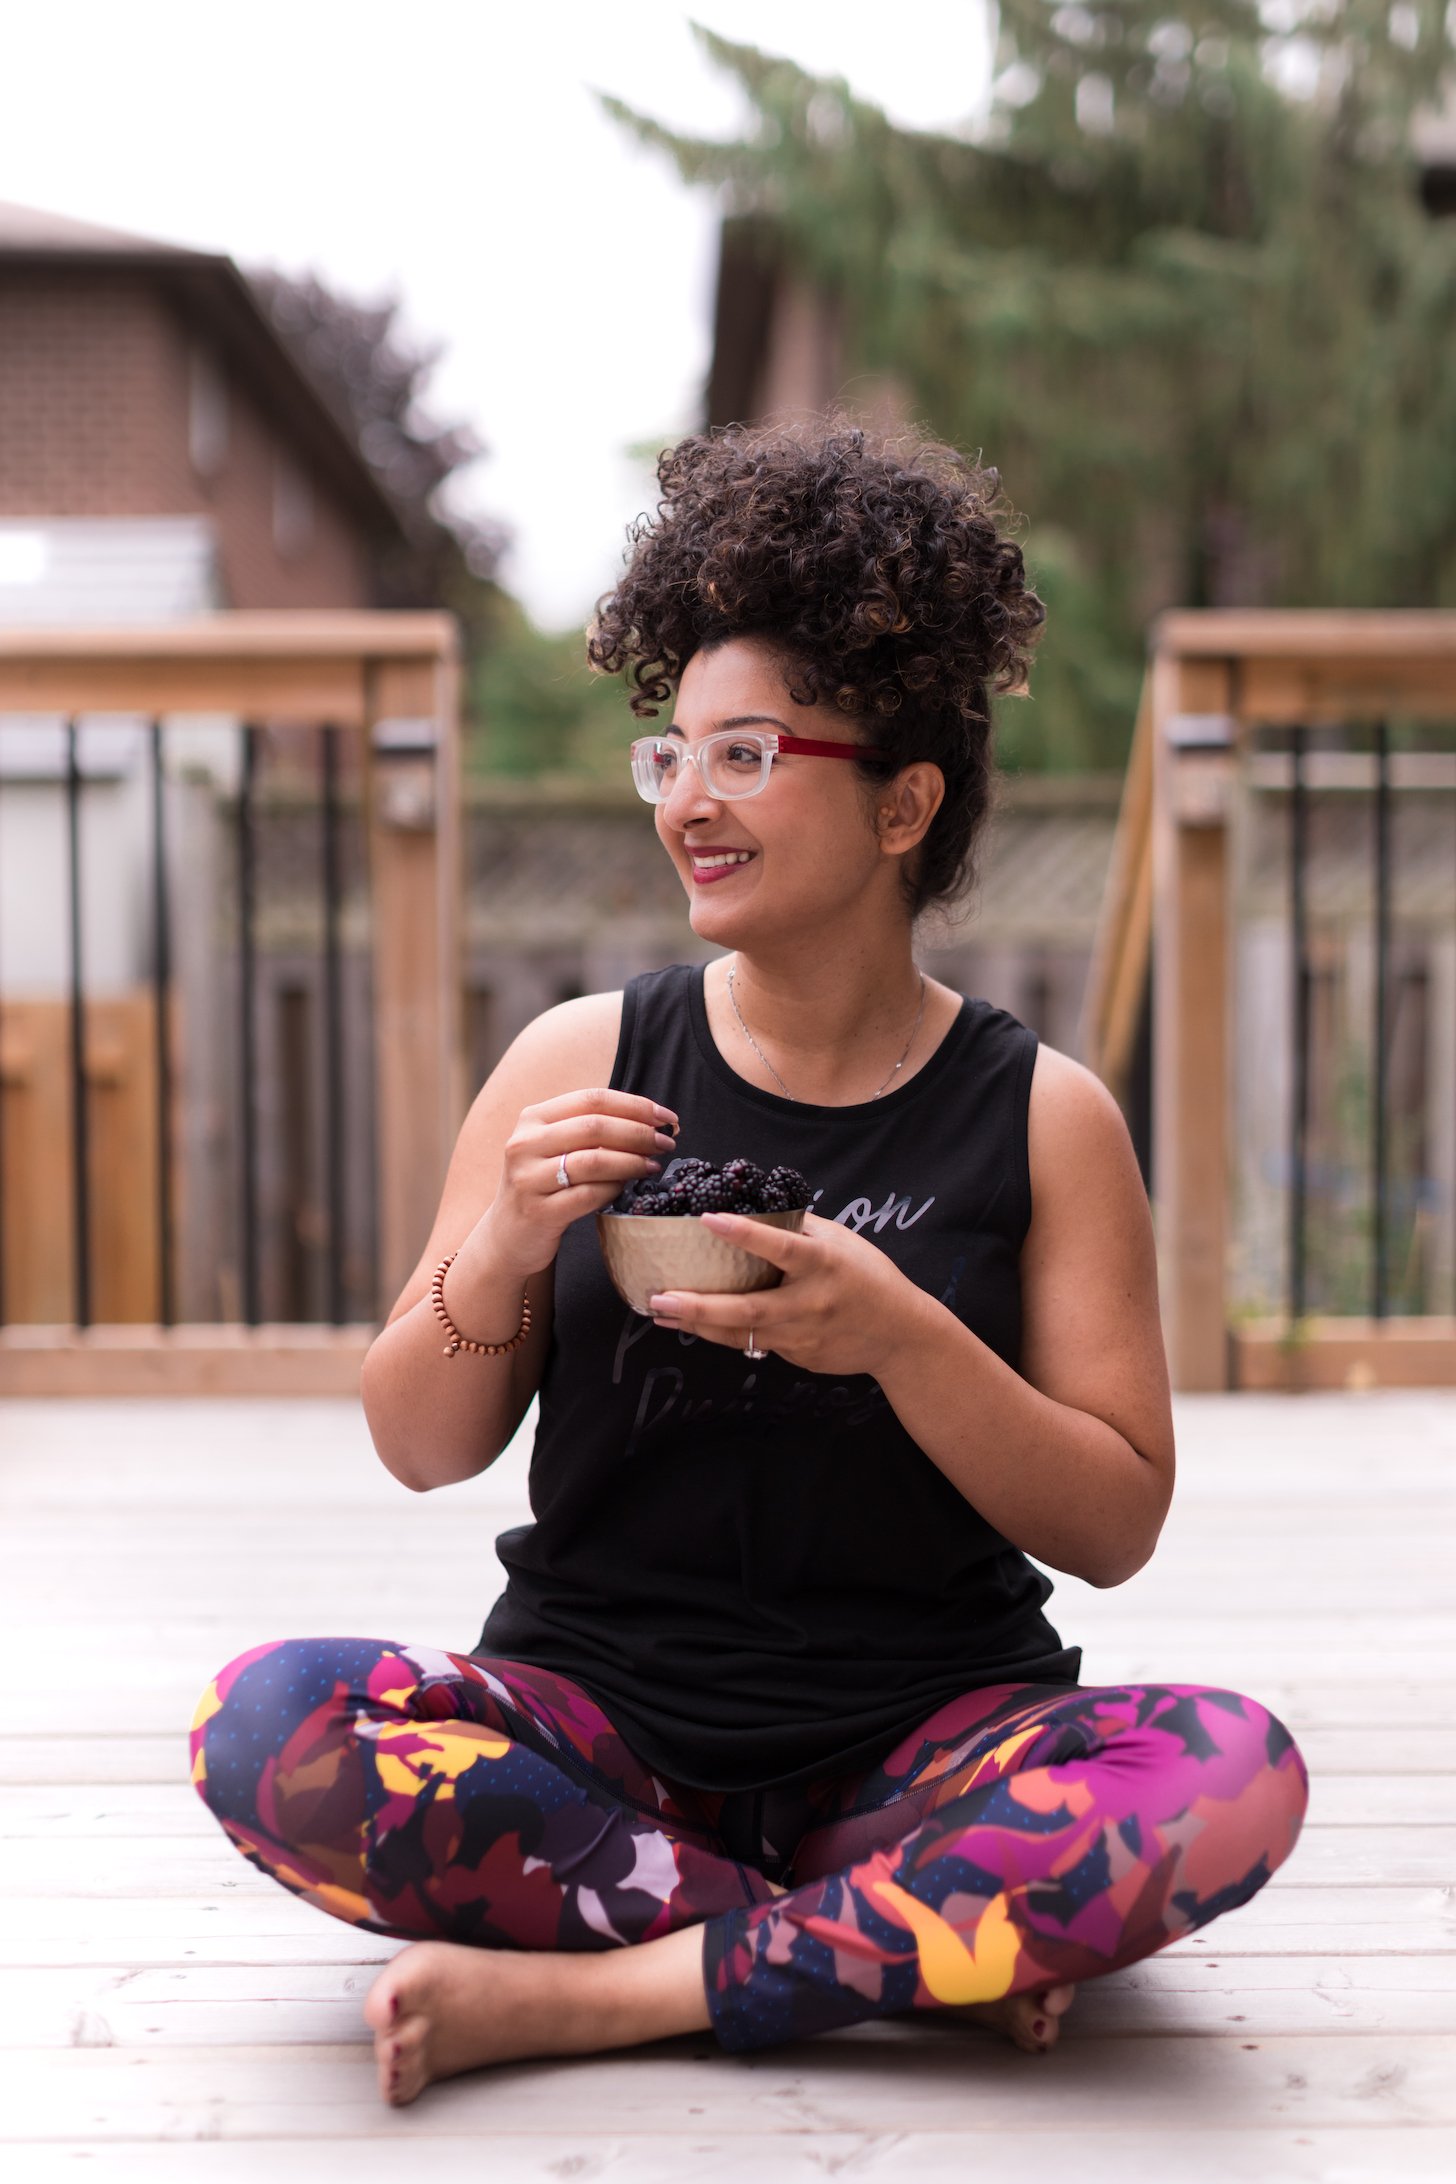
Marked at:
<point>687,796</point>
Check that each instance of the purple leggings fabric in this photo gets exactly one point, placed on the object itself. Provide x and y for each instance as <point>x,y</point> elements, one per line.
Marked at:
<point>1024,1834</point>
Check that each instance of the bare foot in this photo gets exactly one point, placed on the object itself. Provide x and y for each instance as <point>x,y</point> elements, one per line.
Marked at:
<point>1032,2020</point>
<point>440,2008</point>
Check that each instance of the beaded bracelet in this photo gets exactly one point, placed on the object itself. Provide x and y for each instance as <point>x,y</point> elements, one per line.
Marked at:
<point>462,1342</point>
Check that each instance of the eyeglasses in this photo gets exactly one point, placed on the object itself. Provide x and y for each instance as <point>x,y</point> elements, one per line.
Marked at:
<point>735,762</point>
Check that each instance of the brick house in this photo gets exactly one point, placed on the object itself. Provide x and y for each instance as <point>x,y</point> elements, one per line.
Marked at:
<point>140,382</point>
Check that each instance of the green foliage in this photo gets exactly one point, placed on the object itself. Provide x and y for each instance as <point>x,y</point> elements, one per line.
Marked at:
<point>539,709</point>
<point>1180,288</point>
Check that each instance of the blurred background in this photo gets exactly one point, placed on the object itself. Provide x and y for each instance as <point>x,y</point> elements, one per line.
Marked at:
<point>334,317</point>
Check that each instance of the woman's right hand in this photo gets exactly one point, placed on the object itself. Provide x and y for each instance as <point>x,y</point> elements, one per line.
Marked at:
<point>606,1138</point>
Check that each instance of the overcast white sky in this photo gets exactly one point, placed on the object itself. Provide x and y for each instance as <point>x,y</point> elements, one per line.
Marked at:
<point>455,155</point>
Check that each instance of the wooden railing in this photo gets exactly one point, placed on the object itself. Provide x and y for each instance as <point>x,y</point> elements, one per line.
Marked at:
<point>1214,679</point>
<point>387,686</point>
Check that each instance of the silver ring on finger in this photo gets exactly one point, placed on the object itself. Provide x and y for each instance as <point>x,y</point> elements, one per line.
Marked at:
<point>750,1349</point>
<point>563,1180</point>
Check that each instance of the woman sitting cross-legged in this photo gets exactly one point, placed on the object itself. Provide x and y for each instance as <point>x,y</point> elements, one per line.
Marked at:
<point>768,1732</point>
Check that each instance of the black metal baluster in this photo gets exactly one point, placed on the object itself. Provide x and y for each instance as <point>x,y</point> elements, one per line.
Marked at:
<point>81,1189</point>
<point>1299,936</point>
<point>252,1312</point>
<point>333,1025</point>
<point>1378,1162</point>
<point>161,989</point>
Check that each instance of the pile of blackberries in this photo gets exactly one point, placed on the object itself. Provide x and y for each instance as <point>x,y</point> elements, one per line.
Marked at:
<point>696,1186</point>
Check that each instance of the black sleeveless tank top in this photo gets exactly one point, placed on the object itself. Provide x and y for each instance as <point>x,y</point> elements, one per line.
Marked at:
<point>752,1568</point>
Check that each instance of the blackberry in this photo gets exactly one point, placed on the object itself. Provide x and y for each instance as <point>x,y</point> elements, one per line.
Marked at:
<point>685,1171</point>
<point>694,1186</point>
<point>791,1185</point>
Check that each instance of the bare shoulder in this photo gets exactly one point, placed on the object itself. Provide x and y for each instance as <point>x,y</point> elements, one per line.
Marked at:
<point>1069,1103</point>
<point>569,1048</point>
<point>1091,1330</point>
<point>573,1044</point>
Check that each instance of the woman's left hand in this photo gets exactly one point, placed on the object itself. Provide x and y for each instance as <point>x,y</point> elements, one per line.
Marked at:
<point>837,1309</point>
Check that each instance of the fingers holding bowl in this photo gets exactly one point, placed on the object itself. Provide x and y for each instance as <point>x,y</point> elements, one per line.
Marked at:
<point>646,1258</point>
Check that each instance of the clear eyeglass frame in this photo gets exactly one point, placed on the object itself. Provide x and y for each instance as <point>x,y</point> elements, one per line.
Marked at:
<point>731,764</point>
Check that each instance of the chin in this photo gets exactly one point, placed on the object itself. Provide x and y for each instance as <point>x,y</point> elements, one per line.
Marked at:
<point>723,932</point>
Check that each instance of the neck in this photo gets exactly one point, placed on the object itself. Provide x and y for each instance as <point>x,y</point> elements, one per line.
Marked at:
<point>833,1027</point>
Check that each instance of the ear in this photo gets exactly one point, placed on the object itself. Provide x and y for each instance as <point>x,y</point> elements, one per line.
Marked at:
<point>905,806</point>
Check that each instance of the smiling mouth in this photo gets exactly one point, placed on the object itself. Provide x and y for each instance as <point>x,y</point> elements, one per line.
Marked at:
<point>719,860</point>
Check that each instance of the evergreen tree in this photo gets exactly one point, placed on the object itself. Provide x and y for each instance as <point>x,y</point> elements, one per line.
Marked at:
<point>1180,287</point>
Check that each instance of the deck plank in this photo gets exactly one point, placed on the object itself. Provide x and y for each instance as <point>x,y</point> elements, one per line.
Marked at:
<point>868,2080</point>
<point>119,2006</point>
<point>1354,2154</point>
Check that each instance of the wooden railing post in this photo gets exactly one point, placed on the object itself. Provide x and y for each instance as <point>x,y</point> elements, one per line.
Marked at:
<point>1121,948</point>
<point>1193,763</point>
<point>415,871</point>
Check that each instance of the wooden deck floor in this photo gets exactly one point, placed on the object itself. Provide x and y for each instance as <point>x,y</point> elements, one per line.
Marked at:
<point>167,2013</point>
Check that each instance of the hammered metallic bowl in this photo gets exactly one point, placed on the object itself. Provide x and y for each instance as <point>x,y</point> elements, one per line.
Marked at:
<point>646,1254</point>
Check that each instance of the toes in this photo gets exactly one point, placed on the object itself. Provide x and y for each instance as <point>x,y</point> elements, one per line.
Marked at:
<point>381,2004</point>
<point>401,2076</point>
<point>400,2055</point>
<point>408,2037</point>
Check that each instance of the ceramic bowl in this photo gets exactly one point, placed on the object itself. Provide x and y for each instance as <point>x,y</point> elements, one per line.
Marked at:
<point>646,1254</point>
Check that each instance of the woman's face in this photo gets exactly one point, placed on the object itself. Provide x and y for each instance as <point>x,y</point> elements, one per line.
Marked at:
<point>809,838</point>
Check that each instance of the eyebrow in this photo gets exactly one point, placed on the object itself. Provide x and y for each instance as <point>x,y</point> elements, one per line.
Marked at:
<point>737,720</point>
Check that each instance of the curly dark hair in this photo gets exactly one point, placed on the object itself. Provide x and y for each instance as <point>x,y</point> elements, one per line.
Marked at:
<point>878,567</point>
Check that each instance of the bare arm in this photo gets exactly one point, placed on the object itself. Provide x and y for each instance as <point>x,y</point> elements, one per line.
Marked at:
<point>436,1419</point>
<point>1072,1456</point>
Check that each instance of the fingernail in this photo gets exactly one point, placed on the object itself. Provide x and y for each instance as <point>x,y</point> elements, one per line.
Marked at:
<point>654,1167</point>
<point>665,1116</point>
<point>665,1303</point>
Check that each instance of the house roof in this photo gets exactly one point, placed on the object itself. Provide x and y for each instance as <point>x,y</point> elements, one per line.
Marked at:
<point>32,228</point>
<point>216,299</point>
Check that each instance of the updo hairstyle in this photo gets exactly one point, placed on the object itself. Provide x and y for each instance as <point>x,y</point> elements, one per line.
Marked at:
<point>878,568</point>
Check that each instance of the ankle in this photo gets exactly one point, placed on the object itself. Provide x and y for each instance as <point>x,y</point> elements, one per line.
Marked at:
<point>623,1997</point>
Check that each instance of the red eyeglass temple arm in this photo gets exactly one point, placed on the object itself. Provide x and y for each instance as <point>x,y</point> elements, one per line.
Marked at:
<point>811,747</point>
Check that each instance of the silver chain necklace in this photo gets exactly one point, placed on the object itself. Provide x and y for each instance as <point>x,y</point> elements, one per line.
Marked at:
<point>768,1065</point>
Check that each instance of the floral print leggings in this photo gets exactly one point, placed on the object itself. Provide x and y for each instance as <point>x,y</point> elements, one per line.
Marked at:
<point>1024,1834</point>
